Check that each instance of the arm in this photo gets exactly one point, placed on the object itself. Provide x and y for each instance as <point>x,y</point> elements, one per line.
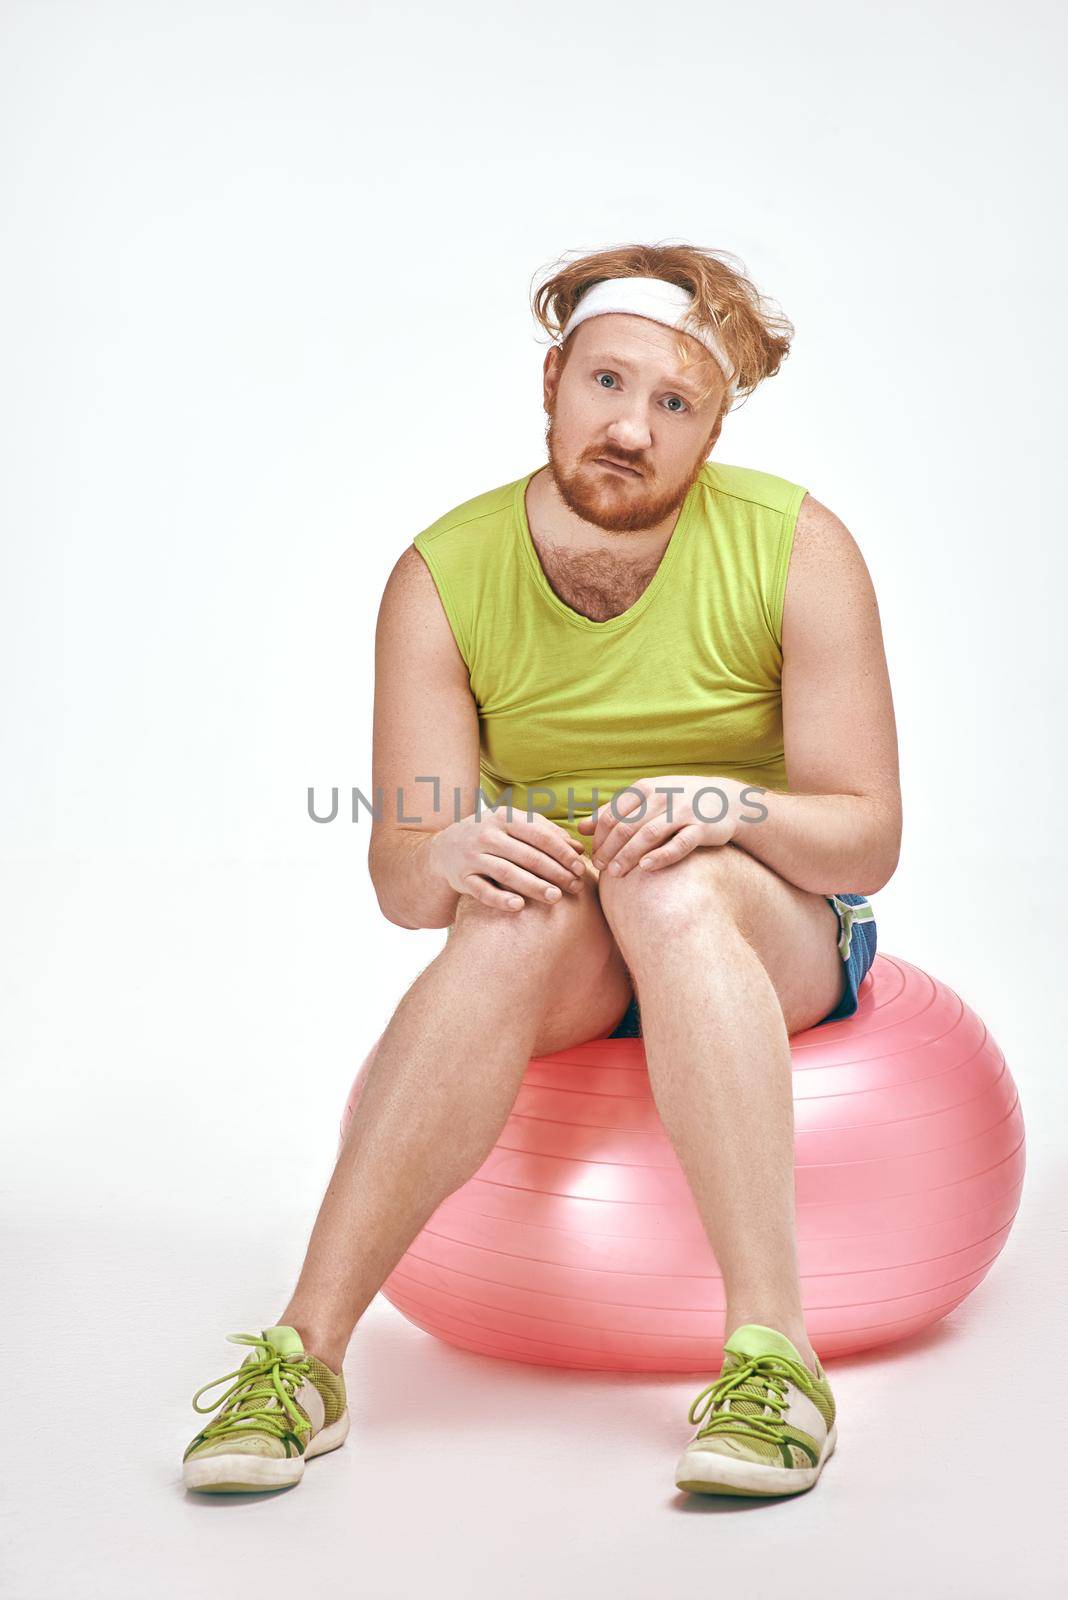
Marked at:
<point>428,848</point>
<point>425,725</point>
<point>838,831</point>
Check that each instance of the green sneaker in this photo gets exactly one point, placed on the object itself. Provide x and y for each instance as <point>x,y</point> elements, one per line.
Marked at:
<point>286,1405</point>
<point>771,1424</point>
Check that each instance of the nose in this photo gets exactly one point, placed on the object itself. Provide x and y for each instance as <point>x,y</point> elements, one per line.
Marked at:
<point>628,437</point>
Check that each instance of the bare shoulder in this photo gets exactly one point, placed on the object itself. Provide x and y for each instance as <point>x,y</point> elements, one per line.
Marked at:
<point>826,562</point>
<point>412,623</point>
<point>821,535</point>
<point>410,593</point>
<point>410,578</point>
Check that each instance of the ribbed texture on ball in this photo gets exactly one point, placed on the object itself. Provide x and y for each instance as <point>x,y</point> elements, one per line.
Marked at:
<point>578,1242</point>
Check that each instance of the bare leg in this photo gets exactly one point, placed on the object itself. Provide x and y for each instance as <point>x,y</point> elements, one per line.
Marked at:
<point>717,1045</point>
<point>440,1088</point>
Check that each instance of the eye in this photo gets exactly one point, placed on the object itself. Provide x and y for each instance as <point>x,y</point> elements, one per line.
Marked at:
<point>682,403</point>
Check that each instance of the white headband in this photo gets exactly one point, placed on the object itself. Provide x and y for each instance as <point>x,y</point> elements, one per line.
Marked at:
<point>654,298</point>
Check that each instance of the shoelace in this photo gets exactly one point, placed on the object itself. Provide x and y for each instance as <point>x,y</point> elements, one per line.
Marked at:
<point>760,1380</point>
<point>271,1375</point>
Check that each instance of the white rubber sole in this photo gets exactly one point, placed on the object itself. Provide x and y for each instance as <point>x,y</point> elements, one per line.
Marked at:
<point>708,1472</point>
<point>240,1473</point>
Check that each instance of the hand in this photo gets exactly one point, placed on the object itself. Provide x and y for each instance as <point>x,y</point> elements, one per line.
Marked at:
<point>490,857</point>
<point>647,837</point>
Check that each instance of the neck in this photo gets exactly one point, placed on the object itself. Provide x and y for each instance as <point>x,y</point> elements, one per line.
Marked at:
<point>553,523</point>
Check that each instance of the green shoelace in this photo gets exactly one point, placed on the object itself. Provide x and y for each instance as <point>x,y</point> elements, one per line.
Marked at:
<point>760,1381</point>
<point>272,1375</point>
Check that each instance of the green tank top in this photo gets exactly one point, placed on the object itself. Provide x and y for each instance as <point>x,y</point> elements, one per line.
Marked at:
<point>687,680</point>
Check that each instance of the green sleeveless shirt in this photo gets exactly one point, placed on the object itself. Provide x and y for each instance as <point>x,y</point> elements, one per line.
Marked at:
<point>687,680</point>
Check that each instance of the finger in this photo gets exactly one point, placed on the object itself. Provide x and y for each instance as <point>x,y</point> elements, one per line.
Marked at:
<point>535,860</point>
<point>567,856</point>
<point>622,836</point>
<point>592,824</point>
<point>502,870</point>
<point>604,822</point>
<point>589,824</point>
<point>631,810</point>
<point>647,837</point>
<point>548,837</point>
<point>686,840</point>
<point>488,895</point>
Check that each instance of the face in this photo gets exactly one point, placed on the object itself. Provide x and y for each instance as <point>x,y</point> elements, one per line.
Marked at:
<point>622,395</point>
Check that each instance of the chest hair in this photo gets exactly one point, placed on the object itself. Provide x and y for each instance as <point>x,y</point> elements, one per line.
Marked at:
<point>594,584</point>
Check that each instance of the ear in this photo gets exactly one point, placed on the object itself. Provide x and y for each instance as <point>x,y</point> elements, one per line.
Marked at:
<point>714,435</point>
<point>550,375</point>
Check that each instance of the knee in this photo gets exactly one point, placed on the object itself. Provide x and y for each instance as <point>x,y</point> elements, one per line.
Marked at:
<point>533,938</point>
<point>652,903</point>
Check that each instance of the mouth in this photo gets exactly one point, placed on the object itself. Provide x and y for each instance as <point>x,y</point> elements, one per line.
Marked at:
<point>617,466</point>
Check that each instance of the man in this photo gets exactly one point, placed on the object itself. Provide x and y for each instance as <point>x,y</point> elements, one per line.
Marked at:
<point>636,646</point>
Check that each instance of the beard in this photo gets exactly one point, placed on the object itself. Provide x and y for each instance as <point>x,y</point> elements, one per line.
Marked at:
<point>607,499</point>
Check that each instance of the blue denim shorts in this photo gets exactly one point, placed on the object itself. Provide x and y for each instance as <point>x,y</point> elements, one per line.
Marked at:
<point>856,946</point>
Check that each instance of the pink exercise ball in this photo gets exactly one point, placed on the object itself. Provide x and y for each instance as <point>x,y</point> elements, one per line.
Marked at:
<point>578,1242</point>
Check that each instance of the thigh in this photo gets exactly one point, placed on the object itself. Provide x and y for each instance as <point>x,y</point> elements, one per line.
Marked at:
<point>793,931</point>
<point>583,985</point>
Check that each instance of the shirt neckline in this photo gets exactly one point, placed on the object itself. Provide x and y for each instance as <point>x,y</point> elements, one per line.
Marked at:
<point>648,594</point>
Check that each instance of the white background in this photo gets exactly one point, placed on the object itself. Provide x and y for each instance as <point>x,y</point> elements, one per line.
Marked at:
<point>266,274</point>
